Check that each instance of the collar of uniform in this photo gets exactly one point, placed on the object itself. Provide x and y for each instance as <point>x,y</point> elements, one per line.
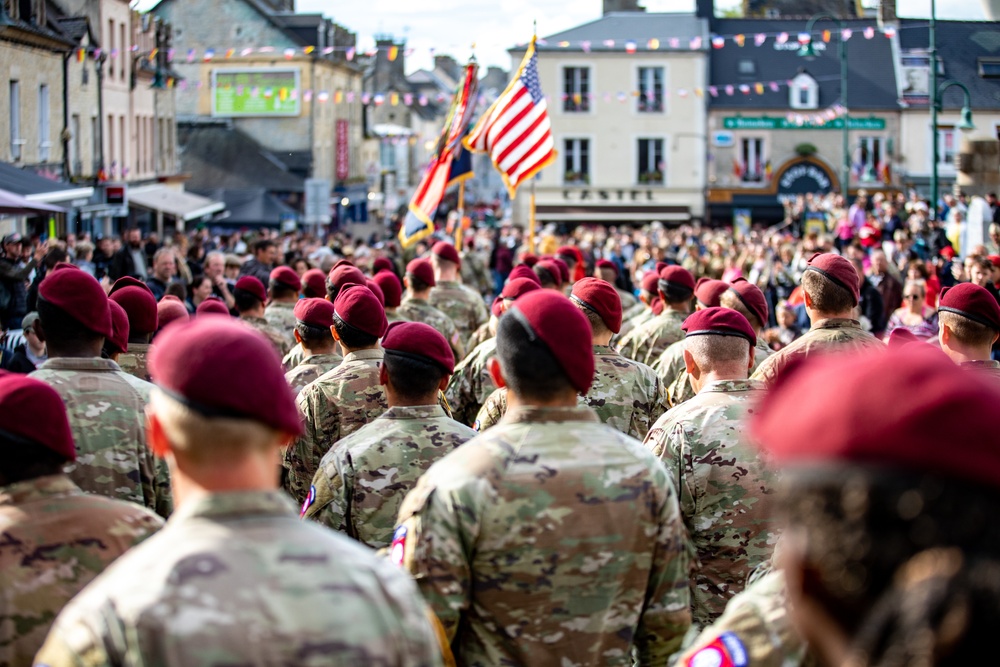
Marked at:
<point>235,504</point>
<point>837,323</point>
<point>447,283</point>
<point>731,385</point>
<point>359,355</point>
<point>316,359</point>
<point>80,364</point>
<point>39,488</point>
<point>605,350</point>
<point>416,300</point>
<point>414,412</point>
<point>254,319</point>
<point>987,363</point>
<point>671,314</point>
<point>287,305</point>
<point>534,414</point>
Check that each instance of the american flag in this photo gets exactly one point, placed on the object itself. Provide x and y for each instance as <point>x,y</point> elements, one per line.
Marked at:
<point>516,131</point>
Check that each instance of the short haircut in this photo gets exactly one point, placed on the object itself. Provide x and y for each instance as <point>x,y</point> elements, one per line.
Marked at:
<point>597,325</point>
<point>210,440</point>
<point>416,284</point>
<point>55,255</point>
<point>529,367</point>
<point>198,280</point>
<point>245,300</point>
<point>671,293</point>
<point>412,378</point>
<point>23,459</point>
<point>178,289</point>
<point>713,353</point>
<point>312,335</point>
<point>545,276</point>
<point>965,330</point>
<point>350,336</point>
<point>826,295</point>
<point>731,300</point>
<point>263,244</point>
<point>61,329</point>
<point>280,290</point>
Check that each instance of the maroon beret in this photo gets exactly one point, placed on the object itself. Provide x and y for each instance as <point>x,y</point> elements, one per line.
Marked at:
<point>127,281</point>
<point>600,296</point>
<point>563,268</point>
<point>446,251</point>
<point>656,305</point>
<point>382,264</point>
<point>392,289</point>
<point>376,290</point>
<point>837,270</point>
<point>254,286</point>
<point>342,262</point>
<point>940,404</point>
<point>118,340</point>
<point>79,295</point>
<point>560,325</point>
<point>901,336</point>
<point>719,322</point>
<point>752,298</point>
<point>550,267</point>
<point>971,301</point>
<point>314,284</point>
<point>607,264</point>
<point>314,312</point>
<point>358,307</point>
<point>422,270</point>
<point>569,251</point>
<point>212,304</point>
<point>169,309</point>
<point>287,277</point>
<point>524,271</point>
<point>649,282</point>
<point>518,287</point>
<point>497,308</point>
<point>660,266</point>
<point>345,273</point>
<point>416,339</point>
<point>140,304</point>
<point>32,410</point>
<point>219,367</point>
<point>709,291</point>
<point>529,259</point>
<point>677,276</point>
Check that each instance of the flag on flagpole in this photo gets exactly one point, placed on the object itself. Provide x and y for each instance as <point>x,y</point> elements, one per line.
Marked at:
<point>515,130</point>
<point>441,172</point>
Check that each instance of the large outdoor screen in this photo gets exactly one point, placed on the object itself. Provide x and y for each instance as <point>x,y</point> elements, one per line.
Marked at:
<point>256,92</point>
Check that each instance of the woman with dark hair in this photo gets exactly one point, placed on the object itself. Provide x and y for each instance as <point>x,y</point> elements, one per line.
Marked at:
<point>199,290</point>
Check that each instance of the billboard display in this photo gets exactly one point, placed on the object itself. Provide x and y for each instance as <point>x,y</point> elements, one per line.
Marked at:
<point>261,91</point>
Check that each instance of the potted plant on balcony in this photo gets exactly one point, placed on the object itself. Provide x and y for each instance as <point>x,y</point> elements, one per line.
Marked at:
<point>651,177</point>
<point>576,177</point>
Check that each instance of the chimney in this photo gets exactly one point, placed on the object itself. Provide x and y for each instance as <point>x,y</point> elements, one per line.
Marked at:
<point>704,9</point>
<point>887,12</point>
<point>612,6</point>
<point>449,66</point>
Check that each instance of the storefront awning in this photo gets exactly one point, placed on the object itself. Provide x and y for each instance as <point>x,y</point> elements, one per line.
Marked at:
<point>175,203</point>
<point>37,188</point>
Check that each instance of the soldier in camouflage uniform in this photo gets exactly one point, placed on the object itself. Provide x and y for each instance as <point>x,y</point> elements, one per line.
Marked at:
<point>234,578</point>
<point>106,412</point>
<point>140,305</point>
<point>489,329</point>
<point>250,299</point>
<point>724,486</point>
<point>832,293</point>
<point>552,539</point>
<point>345,399</point>
<point>670,364</point>
<point>363,479</point>
<point>462,304</point>
<point>475,272</point>
<point>641,312</point>
<point>313,323</point>
<point>392,290</point>
<point>416,306</point>
<point>607,271</point>
<point>283,290</point>
<point>648,341</point>
<point>54,538</point>
<point>969,320</point>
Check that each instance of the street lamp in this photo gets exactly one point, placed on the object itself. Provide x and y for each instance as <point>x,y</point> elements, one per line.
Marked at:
<point>809,53</point>
<point>965,125</point>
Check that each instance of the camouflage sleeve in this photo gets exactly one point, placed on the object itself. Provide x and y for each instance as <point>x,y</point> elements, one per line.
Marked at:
<point>676,457</point>
<point>768,369</point>
<point>333,483</point>
<point>492,411</point>
<point>74,643</point>
<point>321,423</point>
<point>666,615</point>
<point>162,492</point>
<point>658,401</point>
<point>680,390</point>
<point>454,337</point>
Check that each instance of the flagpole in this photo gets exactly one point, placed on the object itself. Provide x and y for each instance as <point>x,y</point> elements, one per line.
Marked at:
<point>461,215</point>
<point>531,219</point>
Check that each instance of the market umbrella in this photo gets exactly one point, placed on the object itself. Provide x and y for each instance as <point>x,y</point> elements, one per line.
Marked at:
<point>15,204</point>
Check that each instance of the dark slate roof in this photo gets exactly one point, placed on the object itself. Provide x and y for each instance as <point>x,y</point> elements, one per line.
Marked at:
<point>639,27</point>
<point>871,76</point>
<point>23,182</point>
<point>960,44</point>
<point>218,156</point>
<point>247,207</point>
<point>75,27</point>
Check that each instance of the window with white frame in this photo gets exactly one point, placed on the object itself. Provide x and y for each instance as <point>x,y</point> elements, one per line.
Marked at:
<point>869,163</point>
<point>576,89</point>
<point>16,142</point>
<point>804,92</point>
<point>650,90</point>
<point>753,162</point>
<point>947,139</point>
<point>576,161</point>
<point>43,123</point>
<point>651,167</point>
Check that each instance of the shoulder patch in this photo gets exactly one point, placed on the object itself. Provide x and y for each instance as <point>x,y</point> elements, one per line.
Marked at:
<point>310,499</point>
<point>726,651</point>
<point>398,549</point>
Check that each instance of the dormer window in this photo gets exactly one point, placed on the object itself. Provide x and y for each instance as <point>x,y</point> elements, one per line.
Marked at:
<point>804,92</point>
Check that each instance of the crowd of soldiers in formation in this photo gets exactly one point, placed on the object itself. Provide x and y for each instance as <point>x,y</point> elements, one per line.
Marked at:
<point>368,470</point>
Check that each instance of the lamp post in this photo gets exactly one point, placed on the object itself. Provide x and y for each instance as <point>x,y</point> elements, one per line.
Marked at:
<point>809,52</point>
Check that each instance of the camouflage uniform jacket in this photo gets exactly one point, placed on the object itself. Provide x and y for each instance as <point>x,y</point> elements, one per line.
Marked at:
<point>833,335</point>
<point>281,317</point>
<point>628,299</point>
<point>392,315</point>
<point>332,407</point>
<point>634,317</point>
<point>680,390</point>
<point>755,625</point>
<point>670,364</point>
<point>362,481</point>
<point>483,333</point>
<point>419,310</point>
<point>471,384</point>
<point>989,369</point>
<point>475,273</point>
<point>54,539</point>
<point>724,489</point>
<point>237,579</point>
<point>460,303</point>
<point>293,358</point>
<point>161,483</point>
<point>626,395</point>
<point>647,342</point>
<point>550,540</point>
<point>311,368</point>
<point>279,341</point>
<point>107,416</point>
<point>133,362</point>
